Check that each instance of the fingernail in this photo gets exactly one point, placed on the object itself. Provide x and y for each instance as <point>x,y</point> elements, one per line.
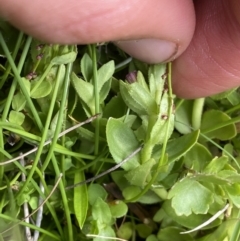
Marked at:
<point>149,50</point>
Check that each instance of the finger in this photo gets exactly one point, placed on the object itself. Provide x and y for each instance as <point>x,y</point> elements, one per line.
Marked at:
<point>165,27</point>
<point>211,63</point>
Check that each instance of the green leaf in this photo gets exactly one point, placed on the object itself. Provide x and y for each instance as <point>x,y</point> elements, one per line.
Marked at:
<point>95,191</point>
<point>178,147</point>
<point>221,233</point>
<point>143,230</point>
<point>115,108</point>
<point>149,197</point>
<point>105,91</point>
<point>216,165</point>
<point>84,91</point>
<point>189,196</point>
<point>213,118</point>
<point>230,175</point>
<point>173,233</point>
<point>156,80</point>
<point>101,213</point>
<point>118,208</point>
<point>128,120</point>
<point>122,142</point>
<point>159,130</point>
<point>86,134</point>
<point>141,80</point>
<point>105,231</point>
<point>16,117</point>
<point>223,95</point>
<point>233,192</point>
<point>183,119</point>
<point>210,178</point>
<point>64,59</point>
<point>86,67</point>
<point>197,157</point>
<point>125,231</point>
<point>190,221</point>
<point>105,73</point>
<point>80,198</point>
<point>138,99</point>
<point>18,102</point>
<point>152,237</point>
<point>138,176</point>
<point>131,192</point>
<point>119,179</point>
<point>43,89</point>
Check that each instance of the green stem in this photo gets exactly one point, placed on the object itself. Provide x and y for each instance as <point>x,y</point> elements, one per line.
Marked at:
<point>7,71</point>
<point>13,88</point>
<point>14,83</point>
<point>41,230</point>
<point>96,97</point>
<point>45,132</point>
<point>50,207</point>
<point>197,113</point>
<point>51,155</point>
<point>179,103</point>
<point>20,82</point>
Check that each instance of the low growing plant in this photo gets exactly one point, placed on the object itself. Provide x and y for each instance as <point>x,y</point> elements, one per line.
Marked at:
<point>94,145</point>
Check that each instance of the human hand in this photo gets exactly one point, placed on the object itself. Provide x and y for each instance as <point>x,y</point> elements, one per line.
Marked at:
<point>206,61</point>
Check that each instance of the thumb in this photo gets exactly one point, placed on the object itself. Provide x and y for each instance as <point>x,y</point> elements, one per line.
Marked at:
<point>163,28</point>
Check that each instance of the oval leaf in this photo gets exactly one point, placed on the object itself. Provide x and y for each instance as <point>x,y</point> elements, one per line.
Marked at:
<point>122,142</point>
<point>43,90</point>
<point>80,199</point>
<point>18,102</point>
<point>16,117</point>
<point>64,59</point>
<point>118,208</point>
<point>86,67</point>
<point>212,119</point>
<point>84,91</point>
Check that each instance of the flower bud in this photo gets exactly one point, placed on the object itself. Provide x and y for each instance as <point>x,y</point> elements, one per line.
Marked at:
<point>131,77</point>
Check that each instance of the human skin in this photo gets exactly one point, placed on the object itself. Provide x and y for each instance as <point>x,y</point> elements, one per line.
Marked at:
<point>201,37</point>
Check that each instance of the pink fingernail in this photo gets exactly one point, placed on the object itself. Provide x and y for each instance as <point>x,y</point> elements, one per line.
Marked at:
<point>149,50</point>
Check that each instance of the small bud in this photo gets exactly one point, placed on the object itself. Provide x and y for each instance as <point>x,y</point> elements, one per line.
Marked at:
<point>39,47</point>
<point>39,56</point>
<point>31,75</point>
<point>131,77</point>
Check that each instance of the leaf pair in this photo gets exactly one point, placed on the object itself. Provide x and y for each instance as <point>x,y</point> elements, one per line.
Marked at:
<point>85,88</point>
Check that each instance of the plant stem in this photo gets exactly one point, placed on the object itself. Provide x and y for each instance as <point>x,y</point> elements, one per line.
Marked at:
<point>13,86</point>
<point>51,155</point>
<point>20,82</point>
<point>44,135</point>
<point>197,113</point>
<point>96,97</point>
<point>14,54</point>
